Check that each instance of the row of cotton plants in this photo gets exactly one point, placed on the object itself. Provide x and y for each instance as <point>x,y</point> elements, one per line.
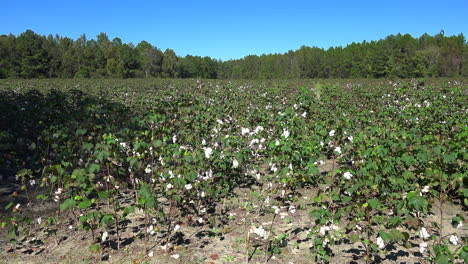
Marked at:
<point>177,151</point>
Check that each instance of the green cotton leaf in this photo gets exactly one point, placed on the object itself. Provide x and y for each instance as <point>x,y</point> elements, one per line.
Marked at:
<point>346,199</point>
<point>385,236</point>
<point>442,259</point>
<point>93,168</point>
<point>397,235</point>
<point>94,216</point>
<point>33,146</point>
<point>457,219</point>
<point>450,158</point>
<point>354,237</point>
<point>417,202</point>
<point>177,198</point>
<point>80,132</point>
<point>87,146</point>
<point>146,197</point>
<point>408,175</point>
<point>84,204</point>
<point>8,206</point>
<point>84,219</point>
<point>94,248</point>
<point>77,173</point>
<point>13,232</point>
<point>107,219</point>
<point>157,143</point>
<point>464,254</point>
<point>129,210</point>
<point>374,203</point>
<point>312,169</point>
<point>103,195</point>
<point>67,205</point>
<point>42,197</point>
<point>395,221</point>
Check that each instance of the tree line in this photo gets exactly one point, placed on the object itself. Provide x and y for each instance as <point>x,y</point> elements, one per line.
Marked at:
<point>30,55</point>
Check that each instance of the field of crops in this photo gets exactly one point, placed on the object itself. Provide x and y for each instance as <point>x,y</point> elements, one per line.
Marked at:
<point>198,171</point>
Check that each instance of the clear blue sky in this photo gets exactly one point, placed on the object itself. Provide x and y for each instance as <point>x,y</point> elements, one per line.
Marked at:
<point>233,29</point>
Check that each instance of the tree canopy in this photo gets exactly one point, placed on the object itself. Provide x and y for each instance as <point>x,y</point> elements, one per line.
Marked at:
<point>30,55</point>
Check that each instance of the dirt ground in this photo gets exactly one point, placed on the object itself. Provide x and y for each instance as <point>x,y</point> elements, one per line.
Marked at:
<point>217,236</point>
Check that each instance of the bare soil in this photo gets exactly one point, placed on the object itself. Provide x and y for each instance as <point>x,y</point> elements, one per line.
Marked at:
<point>219,235</point>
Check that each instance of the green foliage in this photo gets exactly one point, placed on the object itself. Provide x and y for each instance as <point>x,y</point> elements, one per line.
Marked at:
<point>378,152</point>
<point>30,55</point>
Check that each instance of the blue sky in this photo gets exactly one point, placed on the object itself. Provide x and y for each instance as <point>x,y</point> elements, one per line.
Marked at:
<point>234,29</point>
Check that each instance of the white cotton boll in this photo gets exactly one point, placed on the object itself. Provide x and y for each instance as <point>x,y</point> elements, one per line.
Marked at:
<point>292,209</point>
<point>174,139</point>
<point>323,230</point>
<point>277,210</point>
<point>347,175</point>
<point>39,220</point>
<point>424,234</point>
<point>454,240</point>
<point>254,141</point>
<point>459,225</point>
<point>273,168</point>
<point>245,130</point>
<point>175,256</point>
<point>169,186</point>
<point>235,163</point>
<point>208,152</point>
<point>285,133</point>
<point>176,228</point>
<point>338,149</point>
<point>332,133</point>
<point>358,227</point>
<point>260,231</point>
<point>202,194</point>
<point>148,169</point>
<point>188,187</point>
<point>380,243</point>
<point>258,129</point>
<point>425,189</point>
<point>151,254</point>
<point>351,138</point>
<point>325,242</point>
<point>422,247</point>
<point>277,143</point>
<point>150,229</point>
<point>104,236</point>
<point>203,142</point>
